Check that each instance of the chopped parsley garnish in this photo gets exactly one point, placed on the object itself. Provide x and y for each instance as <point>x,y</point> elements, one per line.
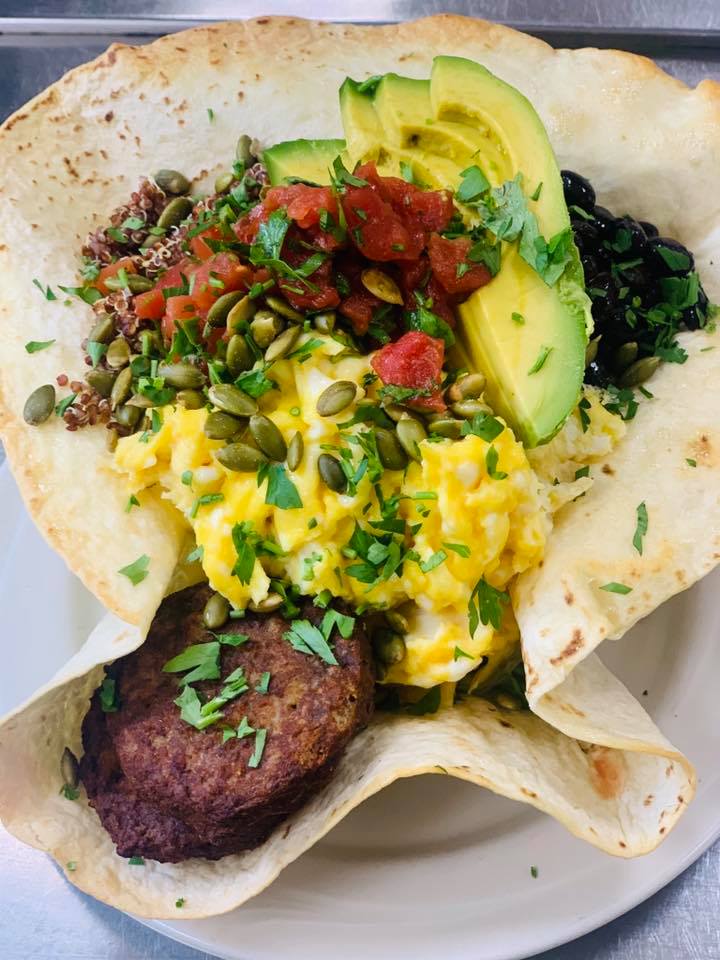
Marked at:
<point>62,406</point>
<point>614,587</point>
<point>196,554</point>
<point>71,865</point>
<point>186,478</point>
<point>537,192</point>
<point>482,425</point>
<point>491,462</point>
<point>433,561</point>
<point>96,351</point>
<point>35,346</point>
<point>459,654</point>
<point>406,172</point>
<point>518,318</point>
<point>45,291</point>
<point>690,462</point>
<point>305,637</point>
<point>309,564</point>
<point>137,570</point>
<point>203,501</point>
<point>108,696</point>
<point>264,683</point>
<point>344,177</point>
<point>428,703</point>
<point>622,402</point>
<point>211,114</point>
<point>582,472</point>
<point>474,185</point>
<point>136,862</point>
<point>488,253</point>
<point>69,792</point>
<point>641,527</point>
<point>461,549</point>
<point>583,408</point>
<point>344,623</point>
<point>534,872</point>
<point>180,902</point>
<point>87,294</point>
<point>260,738</point>
<point>232,639</point>
<point>422,318</point>
<point>281,491</point>
<point>540,361</point>
<point>485,606</point>
<point>202,660</point>
<point>255,383</point>
<point>132,502</point>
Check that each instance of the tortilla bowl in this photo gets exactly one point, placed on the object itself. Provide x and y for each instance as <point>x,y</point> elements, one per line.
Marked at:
<point>134,109</point>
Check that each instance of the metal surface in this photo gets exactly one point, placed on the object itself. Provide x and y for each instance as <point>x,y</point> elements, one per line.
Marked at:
<point>42,916</point>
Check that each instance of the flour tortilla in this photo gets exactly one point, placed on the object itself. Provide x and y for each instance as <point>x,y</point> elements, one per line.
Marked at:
<point>622,788</point>
<point>77,151</point>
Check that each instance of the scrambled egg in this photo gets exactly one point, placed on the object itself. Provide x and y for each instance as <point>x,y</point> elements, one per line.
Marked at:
<point>461,523</point>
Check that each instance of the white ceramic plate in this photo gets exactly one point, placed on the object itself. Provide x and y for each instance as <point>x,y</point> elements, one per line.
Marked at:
<point>430,866</point>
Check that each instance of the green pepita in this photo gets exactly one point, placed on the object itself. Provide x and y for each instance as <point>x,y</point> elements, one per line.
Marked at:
<point>111,440</point>
<point>445,427</point>
<point>391,453</point>
<point>221,426</point>
<point>128,416</point>
<point>324,322</point>
<point>216,612</point>
<point>268,437</point>
<point>335,398</point>
<point>283,344</point>
<point>591,351</point>
<point>469,387</point>
<point>190,399</point>
<point>101,381</point>
<point>265,327</point>
<point>69,768</point>
<point>39,405</point>
<point>141,401</point>
<point>222,183</point>
<point>624,356</point>
<point>295,451</point>
<point>284,309</point>
<point>397,621</point>
<point>331,473</point>
<point>172,181</point>
<point>272,602</point>
<point>410,433</point>
<point>121,388</point>
<point>381,285</point>
<point>243,151</point>
<point>182,375</point>
<point>134,283</point>
<point>118,353</point>
<point>240,314</point>
<point>467,409</point>
<point>218,312</point>
<point>239,356</point>
<point>175,212</point>
<point>232,400</point>
<point>389,647</point>
<point>103,330</point>
<point>240,457</point>
<point>638,372</point>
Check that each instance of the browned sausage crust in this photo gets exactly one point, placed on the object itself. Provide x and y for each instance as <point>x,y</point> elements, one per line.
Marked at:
<point>167,791</point>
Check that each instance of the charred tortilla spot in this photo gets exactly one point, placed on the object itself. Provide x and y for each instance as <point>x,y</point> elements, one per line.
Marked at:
<point>569,598</point>
<point>571,648</point>
<point>607,469</point>
<point>607,772</point>
<point>109,116</point>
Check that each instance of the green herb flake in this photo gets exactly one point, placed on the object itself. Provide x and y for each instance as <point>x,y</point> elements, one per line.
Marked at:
<point>534,872</point>
<point>108,696</point>
<point>62,406</point>
<point>428,703</point>
<point>538,190</point>
<point>582,472</point>
<point>461,549</point>
<point>641,527</point>
<point>344,177</point>
<point>136,862</point>
<point>518,318</point>
<point>69,792</point>
<point>202,660</point>
<point>485,606</point>
<point>186,478</point>
<point>540,361</point>
<point>474,185</point>
<point>433,561</point>
<point>71,866</point>
<point>583,408</point>
<point>406,172</point>
<point>203,501</point>
<point>459,654</point>
<point>211,114</point>
<point>45,291</point>
<point>180,902</point>
<point>690,462</point>
<point>196,554</point>
<point>491,462</point>
<point>137,570</point>
<point>260,738</point>
<point>35,346</point>
<point>482,425</point>
<point>264,683</point>
<point>281,491</point>
<point>132,502</point>
<point>614,587</point>
<point>306,638</point>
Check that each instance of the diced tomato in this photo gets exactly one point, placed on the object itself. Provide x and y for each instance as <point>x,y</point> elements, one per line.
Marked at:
<point>414,275</point>
<point>177,309</point>
<point>304,204</point>
<point>440,301</point>
<point>112,270</point>
<point>319,295</point>
<point>246,228</point>
<point>427,210</point>
<point>358,308</point>
<point>449,259</point>
<point>374,227</point>
<point>150,305</point>
<point>414,361</point>
<point>198,245</point>
<point>221,274</point>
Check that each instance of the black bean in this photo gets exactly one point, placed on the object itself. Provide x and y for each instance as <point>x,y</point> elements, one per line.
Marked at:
<point>593,265</point>
<point>587,236</point>
<point>578,190</point>
<point>696,315</point>
<point>604,291</point>
<point>669,258</point>
<point>604,222</point>
<point>650,229</point>
<point>629,238</point>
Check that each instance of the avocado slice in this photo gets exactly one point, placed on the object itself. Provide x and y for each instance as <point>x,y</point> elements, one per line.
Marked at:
<point>307,159</point>
<point>363,131</point>
<point>534,362</point>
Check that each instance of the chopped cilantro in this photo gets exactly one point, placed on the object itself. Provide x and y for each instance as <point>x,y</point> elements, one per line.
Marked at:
<point>186,478</point>
<point>281,491</point>
<point>482,425</point>
<point>344,177</point>
<point>62,406</point>
<point>202,660</point>
<point>34,346</point>
<point>309,564</point>
<point>540,361</point>
<point>71,865</point>
<point>406,172</point>
<point>583,408</point>
<point>537,192</point>
<point>534,872</point>
<point>137,570</point>
<point>211,114</point>
<point>344,623</point>
<point>487,253</point>
<point>491,462</point>
<point>196,554</point>
<point>305,637</point>
<point>690,462</point>
<point>422,318</point>
<point>45,291</point>
<point>69,792</point>
<point>203,501</point>
<point>675,259</point>
<point>461,549</point>
<point>474,185</point>
<point>232,639</point>
<point>96,351</point>
<point>485,606</point>
<point>518,318</point>
<point>614,587</point>
<point>180,902</point>
<point>260,738</point>
<point>582,472</point>
<point>108,696</point>
<point>434,560</point>
<point>312,523</point>
<point>244,729</point>
<point>136,862</point>
<point>191,709</point>
<point>641,527</point>
<point>264,683</point>
<point>458,654</point>
<point>132,502</point>
<point>255,382</point>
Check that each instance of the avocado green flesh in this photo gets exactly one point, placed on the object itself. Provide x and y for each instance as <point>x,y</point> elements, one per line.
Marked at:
<point>308,159</point>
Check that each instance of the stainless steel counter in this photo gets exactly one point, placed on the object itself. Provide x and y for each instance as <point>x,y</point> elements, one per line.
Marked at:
<point>42,917</point>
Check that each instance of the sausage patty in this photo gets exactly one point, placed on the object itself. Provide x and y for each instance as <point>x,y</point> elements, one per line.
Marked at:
<point>167,791</point>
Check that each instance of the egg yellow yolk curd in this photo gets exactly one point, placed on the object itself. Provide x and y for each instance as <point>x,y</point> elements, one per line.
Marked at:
<point>440,539</point>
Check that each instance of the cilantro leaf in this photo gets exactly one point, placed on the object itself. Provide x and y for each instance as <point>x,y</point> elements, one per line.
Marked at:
<point>201,659</point>
<point>137,570</point>
<point>44,290</point>
<point>191,709</point>
<point>406,172</point>
<point>491,462</point>
<point>244,544</point>
<point>281,491</point>
<point>271,234</point>
<point>428,322</point>
<point>343,175</point>
<point>255,382</point>
<point>485,607</point>
<point>614,587</point>
<point>487,253</point>
<point>540,360</point>
<point>474,185</point>
<point>641,527</point>
<point>263,683</point>
<point>108,696</point>
<point>458,654</point>
<point>482,425</point>
<point>434,560</point>
<point>260,738</point>
<point>305,637</point>
<point>232,639</point>
<point>334,618</point>
<point>34,346</point>
<point>461,549</point>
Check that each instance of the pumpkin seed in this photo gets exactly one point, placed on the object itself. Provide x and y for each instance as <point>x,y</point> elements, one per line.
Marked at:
<point>267,436</point>
<point>172,181</point>
<point>469,387</point>
<point>232,400</point>
<point>283,344</point>
<point>216,612</point>
<point>591,351</point>
<point>182,375</point>
<point>295,451</point>
<point>103,330</point>
<point>445,427</point>
<point>265,327</point>
<point>218,312</point>
<point>324,322</point>
<point>118,353</point>
<point>121,388</point>
<point>243,153</point>
<point>222,183</point>
<point>331,473</point>
<point>639,372</point>
<point>397,412</point>
<point>391,453</point>
<point>221,426</point>
<point>272,602</point>
<point>69,768</point>
<point>284,309</point>
<point>135,283</point>
<point>175,212</point>
<point>190,399</point>
<point>127,416</point>
<point>467,409</point>
<point>397,621</point>
<point>101,381</point>
<point>239,356</point>
<point>410,433</point>
<point>141,401</point>
<point>389,647</point>
<point>381,285</point>
<point>239,315</point>
<point>336,398</point>
<point>624,356</point>
<point>39,405</point>
<point>240,457</point>
<point>111,440</point>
